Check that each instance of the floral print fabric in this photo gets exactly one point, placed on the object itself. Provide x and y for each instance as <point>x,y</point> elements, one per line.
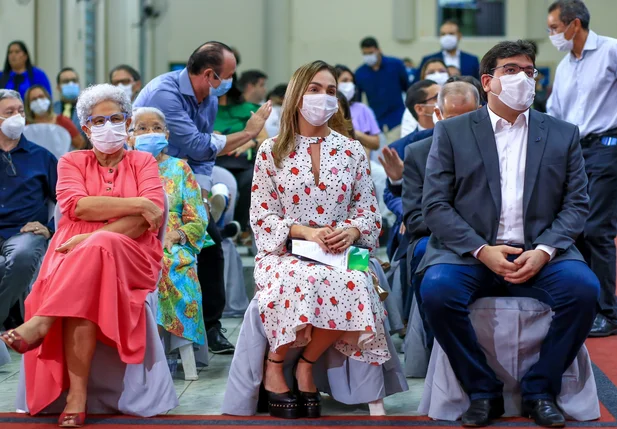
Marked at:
<point>294,293</point>
<point>180,310</point>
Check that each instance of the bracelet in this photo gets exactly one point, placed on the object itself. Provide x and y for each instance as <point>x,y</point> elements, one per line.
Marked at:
<point>183,237</point>
<point>207,203</point>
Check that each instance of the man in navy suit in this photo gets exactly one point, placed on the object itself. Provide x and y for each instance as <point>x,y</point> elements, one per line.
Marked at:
<point>505,197</point>
<point>450,37</point>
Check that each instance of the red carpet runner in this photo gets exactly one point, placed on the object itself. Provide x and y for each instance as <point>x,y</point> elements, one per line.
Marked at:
<point>603,353</point>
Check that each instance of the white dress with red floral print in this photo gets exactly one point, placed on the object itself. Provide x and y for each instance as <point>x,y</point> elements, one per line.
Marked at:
<point>294,293</point>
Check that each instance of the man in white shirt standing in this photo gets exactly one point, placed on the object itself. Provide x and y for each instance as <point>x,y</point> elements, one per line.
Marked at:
<point>505,197</point>
<point>584,94</point>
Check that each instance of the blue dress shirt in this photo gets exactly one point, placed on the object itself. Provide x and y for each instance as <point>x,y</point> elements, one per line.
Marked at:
<point>38,78</point>
<point>24,196</point>
<point>585,89</point>
<point>384,90</point>
<point>190,123</point>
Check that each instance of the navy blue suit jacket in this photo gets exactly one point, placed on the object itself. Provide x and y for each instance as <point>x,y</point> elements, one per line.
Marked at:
<point>470,65</point>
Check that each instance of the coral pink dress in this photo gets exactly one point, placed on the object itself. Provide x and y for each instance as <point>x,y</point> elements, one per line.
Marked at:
<point>104,279</point>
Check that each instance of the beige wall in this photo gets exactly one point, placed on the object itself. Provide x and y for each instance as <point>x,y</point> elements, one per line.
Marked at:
<point>274,35</point>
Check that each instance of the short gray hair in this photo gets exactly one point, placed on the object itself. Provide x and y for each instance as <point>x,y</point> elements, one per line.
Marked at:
<point>458,88</point>
<point>569,10</point>
<point>96,94</point>
<point>9,93</point>
<point>141,111</point>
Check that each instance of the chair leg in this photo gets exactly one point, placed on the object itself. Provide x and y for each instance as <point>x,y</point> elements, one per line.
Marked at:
<point>376,408</point>
<point>188,362</point>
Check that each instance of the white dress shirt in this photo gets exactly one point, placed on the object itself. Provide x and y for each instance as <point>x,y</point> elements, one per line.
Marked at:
<point>585,89</point>
<point>452,60</point>
<point>511,141</point>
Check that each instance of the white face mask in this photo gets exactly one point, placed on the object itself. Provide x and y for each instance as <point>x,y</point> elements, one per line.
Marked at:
<point>370,59</point>
<point>559,41</point>
<point>13,126</point>
<point>517,91</point>
<point>128,89</point>
<point>317,109</point>
<point>448,42</point>
<point>439,78</point>
<point>109,138</point>
<point>40,105</point>
<point>348,89</point>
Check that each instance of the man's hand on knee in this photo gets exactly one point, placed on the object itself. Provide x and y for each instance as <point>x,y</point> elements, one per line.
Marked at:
<point>36,228</point>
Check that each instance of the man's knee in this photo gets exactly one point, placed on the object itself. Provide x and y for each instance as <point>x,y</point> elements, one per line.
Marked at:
<point>439,288</point>
<point>582,284</point>
<point>25,252</point>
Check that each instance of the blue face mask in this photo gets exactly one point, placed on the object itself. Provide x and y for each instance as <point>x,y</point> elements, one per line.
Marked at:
<point>70,91</point>
<point>222,88</point>
<point>153,143</point>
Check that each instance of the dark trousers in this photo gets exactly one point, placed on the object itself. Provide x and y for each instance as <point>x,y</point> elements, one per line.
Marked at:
<point>211,274</point>
<point>569,287</point>
<point>597,243</point>
<point>244,178</point>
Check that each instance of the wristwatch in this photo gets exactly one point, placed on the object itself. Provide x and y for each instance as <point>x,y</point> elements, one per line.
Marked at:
<point>207,203</point>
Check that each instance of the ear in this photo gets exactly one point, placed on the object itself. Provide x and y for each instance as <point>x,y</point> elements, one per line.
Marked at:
<point>486,82</point>
<point>128,124</point>
<point>131,141</point>
<point>137,86</point>
<point>438,113</point>
<point>167,135</point>
<point>86,130</point>
<point>418,109</point>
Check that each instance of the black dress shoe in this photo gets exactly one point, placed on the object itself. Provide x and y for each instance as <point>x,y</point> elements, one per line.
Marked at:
<point>602,327</point>
<point>217,343</point>
<point>482,411</point>
<point>544,412</point>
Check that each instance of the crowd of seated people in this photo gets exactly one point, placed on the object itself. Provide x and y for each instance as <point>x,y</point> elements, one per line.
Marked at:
<point>484,196</point>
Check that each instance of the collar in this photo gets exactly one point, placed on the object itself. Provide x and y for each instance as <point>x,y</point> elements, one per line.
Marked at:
<point>457,55</point>
<point>498,121</point>
<point>23,144</point>
<point>184,83</point>
<point>420,127</point>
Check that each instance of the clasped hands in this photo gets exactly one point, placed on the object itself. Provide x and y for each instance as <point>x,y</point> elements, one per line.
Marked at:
<point>332,240</point>
<point>523,268</point>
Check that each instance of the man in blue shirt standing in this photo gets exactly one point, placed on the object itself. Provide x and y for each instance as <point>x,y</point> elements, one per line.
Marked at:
<point>383,80</point>
<point>584,94</point>
<point>189,100</point>
<point>28,175</point>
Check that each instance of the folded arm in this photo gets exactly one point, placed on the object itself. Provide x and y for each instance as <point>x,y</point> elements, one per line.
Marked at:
<point>438,196</point>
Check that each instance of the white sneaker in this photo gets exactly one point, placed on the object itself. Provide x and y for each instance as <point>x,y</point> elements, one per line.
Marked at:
<point>219,199</point>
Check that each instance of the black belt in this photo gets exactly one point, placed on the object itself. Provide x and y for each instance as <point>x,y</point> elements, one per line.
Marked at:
<point>592,138</point>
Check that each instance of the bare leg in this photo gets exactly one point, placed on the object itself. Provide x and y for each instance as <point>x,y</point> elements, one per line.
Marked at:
<point>79,344</point>
<point>35,328</point>
<point>321,339</point>
<point>274,379</point>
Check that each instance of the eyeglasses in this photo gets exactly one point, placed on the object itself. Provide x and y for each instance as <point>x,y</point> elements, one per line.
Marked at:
<point>511,69</point>
<point>141,129</point>
<point>99,121</point>
<point>10,168</point>
<point>434,97</point>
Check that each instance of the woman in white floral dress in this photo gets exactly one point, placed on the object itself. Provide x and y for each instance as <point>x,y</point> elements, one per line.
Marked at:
<point>313,183</point>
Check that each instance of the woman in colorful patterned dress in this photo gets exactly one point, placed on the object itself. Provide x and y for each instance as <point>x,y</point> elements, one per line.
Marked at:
<point>180,308</point>
<point>312,182</point>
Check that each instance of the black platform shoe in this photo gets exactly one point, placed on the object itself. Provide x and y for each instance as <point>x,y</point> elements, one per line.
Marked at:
<point>282,405</point>
<point>309,402</point>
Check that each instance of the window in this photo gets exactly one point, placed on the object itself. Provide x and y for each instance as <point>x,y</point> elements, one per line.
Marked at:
<point>90,39</point>
<point>475,17</point>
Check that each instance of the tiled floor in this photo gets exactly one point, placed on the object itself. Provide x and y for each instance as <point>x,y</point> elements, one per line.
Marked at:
<point>205,395</point>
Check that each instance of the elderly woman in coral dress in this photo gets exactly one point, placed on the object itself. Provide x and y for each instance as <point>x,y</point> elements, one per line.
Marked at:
<point>101,264</point>
<point>312,182</point>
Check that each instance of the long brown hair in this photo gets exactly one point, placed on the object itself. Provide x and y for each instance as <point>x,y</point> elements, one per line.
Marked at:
<point>286,140</point>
